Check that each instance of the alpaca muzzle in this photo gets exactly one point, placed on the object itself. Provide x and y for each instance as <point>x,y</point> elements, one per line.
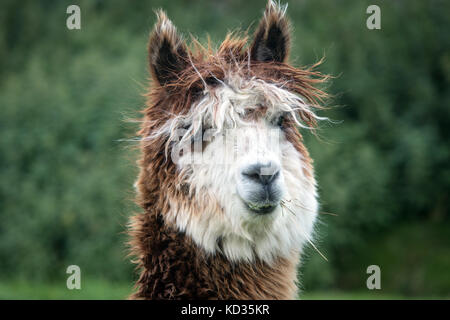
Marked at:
<point>260,187</point>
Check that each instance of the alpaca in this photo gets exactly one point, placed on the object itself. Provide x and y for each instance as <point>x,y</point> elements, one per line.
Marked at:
<point>226,185</point>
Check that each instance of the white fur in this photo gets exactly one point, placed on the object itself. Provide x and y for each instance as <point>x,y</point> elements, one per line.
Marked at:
<point>214,180</point>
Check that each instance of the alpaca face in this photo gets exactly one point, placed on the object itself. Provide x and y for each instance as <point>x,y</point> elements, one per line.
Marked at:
<point>242,171</point>
<point>229,124</point>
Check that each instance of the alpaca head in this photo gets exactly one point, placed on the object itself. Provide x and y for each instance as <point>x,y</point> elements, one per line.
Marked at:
<point>222,141</point>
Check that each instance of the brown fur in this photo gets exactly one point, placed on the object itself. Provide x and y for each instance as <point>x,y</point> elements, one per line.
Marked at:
<point>171,265</point>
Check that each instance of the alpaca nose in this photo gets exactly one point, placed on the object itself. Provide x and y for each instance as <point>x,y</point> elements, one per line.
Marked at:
<point>264,174</point>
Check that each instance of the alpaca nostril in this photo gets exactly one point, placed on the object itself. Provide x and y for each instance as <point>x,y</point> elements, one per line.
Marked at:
<point>264,174</point>
<point>251,176</point>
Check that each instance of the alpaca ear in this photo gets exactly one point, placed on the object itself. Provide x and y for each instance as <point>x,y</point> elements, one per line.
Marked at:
<point>167,51</point>
<point>272,37</point>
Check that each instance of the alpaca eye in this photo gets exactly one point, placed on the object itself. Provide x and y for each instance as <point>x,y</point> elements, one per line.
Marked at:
<point>279,120</point>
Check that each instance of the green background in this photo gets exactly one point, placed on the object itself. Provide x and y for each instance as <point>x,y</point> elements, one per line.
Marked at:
<point>66,177</point>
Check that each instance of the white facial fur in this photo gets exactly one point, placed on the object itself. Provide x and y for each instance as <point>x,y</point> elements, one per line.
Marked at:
<point>214,174</point>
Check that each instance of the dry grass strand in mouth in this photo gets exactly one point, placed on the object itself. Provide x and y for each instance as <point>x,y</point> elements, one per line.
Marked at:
<point>283,202</point>
<point>284,206</point>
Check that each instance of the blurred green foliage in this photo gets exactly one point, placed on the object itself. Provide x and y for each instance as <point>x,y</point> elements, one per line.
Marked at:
<point>66,179</point>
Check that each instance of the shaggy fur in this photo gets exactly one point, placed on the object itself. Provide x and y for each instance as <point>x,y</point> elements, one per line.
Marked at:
<point>190,242</point>
<point>173,267</point>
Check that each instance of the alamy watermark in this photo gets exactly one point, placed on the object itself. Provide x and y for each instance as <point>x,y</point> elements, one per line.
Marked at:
<point>189,148</point>
<point>374,280</point>
<point>73,21</point>
<point>74,280</point>
<point>373,22</point>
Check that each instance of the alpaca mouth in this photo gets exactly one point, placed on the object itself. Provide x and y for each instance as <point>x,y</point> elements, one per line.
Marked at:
<point>263,208</point>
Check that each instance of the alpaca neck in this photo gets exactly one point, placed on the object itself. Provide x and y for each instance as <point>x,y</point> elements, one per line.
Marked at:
<point>173,267</point>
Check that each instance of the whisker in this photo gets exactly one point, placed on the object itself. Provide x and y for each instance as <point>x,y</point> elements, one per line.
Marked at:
<point>318,251</point>
<point>303,207</point>
<point>306,237</point>
<point>329,213</point>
